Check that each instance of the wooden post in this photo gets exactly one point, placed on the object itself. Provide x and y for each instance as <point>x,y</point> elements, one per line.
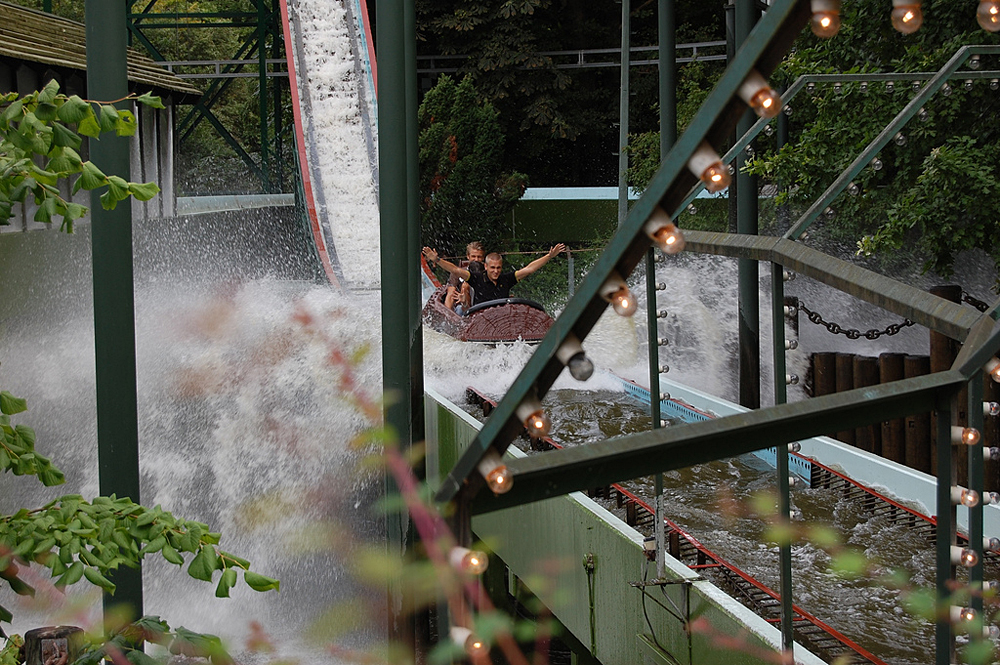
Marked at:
<point>52,645</point>
<point>893,431</point>
<point>918,425</point>
<point>845,381</point>
<point>868,437</point>
<point>824,374</point>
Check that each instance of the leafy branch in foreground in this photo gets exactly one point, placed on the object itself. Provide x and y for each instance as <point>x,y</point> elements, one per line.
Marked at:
<point>125,644</point>
<point>41,124</point>
<point>76,539</point>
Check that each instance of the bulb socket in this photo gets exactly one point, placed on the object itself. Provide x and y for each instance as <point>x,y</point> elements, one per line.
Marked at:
<point>706,165</point>
<point>495,472</point>
<point>664,232</point>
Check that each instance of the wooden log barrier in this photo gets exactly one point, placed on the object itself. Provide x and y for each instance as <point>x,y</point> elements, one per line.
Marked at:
<point>845,381</point>
<point>890,367</point>
<point>867,437</point>
<point>917,435</point>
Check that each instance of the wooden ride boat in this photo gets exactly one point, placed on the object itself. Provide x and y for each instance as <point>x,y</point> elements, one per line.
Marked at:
<point>492,322</point>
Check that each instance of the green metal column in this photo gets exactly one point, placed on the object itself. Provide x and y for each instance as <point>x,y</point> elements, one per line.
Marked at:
<point>944,639</point>
<point>395,125</point>
<point>414,328</point>
<point>976,464</point>
<point>668,134</point>
<point>114,300</point>
<point>784,502</point>
<point>262,92</point>
<point>746,222</point>
<point>623,108</point>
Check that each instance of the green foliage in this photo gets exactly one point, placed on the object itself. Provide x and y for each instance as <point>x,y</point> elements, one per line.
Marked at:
<point>80,540</point>
<point>936,194</point>
<point>128,640</point>
<point>39,126</point>
<point>464,194</point>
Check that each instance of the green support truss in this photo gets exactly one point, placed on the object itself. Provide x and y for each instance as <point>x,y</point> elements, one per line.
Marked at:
<point>544,475</point>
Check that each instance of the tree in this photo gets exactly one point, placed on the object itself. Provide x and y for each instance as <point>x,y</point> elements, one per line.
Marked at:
<point>464,194</point>
<point>74,538</point>
<point>936,194</point>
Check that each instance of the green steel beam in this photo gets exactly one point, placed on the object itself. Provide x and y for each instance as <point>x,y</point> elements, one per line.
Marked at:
<point>114,298</point>
<point>935,313</point>
<point>762,51</point>
<point>548,474</point>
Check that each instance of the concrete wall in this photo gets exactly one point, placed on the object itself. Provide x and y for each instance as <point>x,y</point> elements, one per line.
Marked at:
<point>545,545</point>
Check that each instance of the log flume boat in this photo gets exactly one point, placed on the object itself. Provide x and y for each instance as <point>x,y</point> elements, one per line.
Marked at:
<point>493,322</point>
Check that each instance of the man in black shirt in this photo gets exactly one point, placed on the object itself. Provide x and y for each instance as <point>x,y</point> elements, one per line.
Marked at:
<point>493,284</point>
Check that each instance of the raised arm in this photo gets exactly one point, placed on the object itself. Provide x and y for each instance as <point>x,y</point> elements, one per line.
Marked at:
<point>435,260</point>
<point>539,262</point>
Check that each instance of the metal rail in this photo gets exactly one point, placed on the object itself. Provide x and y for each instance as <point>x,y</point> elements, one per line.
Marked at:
<point>812,632</point>
<point>223,69</point>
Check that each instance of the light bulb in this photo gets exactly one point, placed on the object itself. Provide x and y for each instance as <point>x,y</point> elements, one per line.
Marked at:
<point>571,355</point>
<point>974,62</point>
<point>946,90</point>
<point>495,472</point>
<point>469,561</point>
<point>466,639</point>
<point>787,110</point>
<point>899,139</point>
<point>906,16</point>
<point>915,86</point>
<point>965,497</point>
<point>707,166</point>
<point>538,424</point>
<point>791,344</point>
<point>810,87</point>
<point>960,614</point>
<point>890,87</point>
<point>825,24</point>
<point>660,286</point>
<point>923,115</point>
<point>664,369</point>
<point>662,314</point>
<point>991,498</point>
<point>863,87</point>
<point>829,213</point>
<point>664,397</point>
<point>991,632</point>
<point>991,454</point>
<point>759,96</point>
<point>853,189</point>
<point>991,408</point>
<point>768,130</point>
<point>993,369</point>
<point>692,210</point>
<point>876,164</point>
<point>988,15</point>
<point>991,544</point>
<point>663,232</point>
<point>968,436</point>
<point>994,84</point>
<point>662,341</point>
<point>787,276</point>
<point>792,379</point>
<point>838,87</point>
<point>795,447</point>
<point>964,556</point>
<point>968,85</point>
<point>616,292</point>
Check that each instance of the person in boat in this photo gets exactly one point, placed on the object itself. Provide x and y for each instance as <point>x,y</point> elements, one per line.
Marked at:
<point>493,283</point>
<point>458,295</point>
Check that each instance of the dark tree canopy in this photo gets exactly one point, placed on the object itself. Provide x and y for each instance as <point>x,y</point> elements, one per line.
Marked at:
<point>464,192</point>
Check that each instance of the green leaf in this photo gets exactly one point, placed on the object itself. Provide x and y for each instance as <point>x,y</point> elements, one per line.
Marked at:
<point>71,576</point>
<point>91,177</point>
<point>259,582</point>
<point>27,434</point>
<point>171,555</point>
<point>47,95</point>
<point>88,125</point>
<point>143,192</point>
<point>137,657</point>
<point>11,405</point>
<point>74,110</point>
<point>204,564</point>
<point>118,187</point>
<point>108,119</point>
<point>151,100</point>
<point>125,126</point>
<point>226,582</point>
<point>94,577</point>
<point>5,614</point>
<point>65,138</point>
<point>14,112</point>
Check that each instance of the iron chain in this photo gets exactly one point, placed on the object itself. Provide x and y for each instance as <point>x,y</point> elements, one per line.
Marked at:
<point>978,304</point>
<point>853,333</point>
